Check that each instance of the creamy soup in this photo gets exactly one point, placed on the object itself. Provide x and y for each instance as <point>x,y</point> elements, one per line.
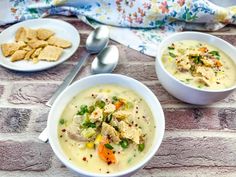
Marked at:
<point>200,65</point>
<point>106,129</point>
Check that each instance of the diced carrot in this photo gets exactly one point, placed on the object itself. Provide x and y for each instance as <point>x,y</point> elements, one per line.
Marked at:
<point>118,104</point>
<point>203,49</point>
<point>106,154</point>
<point>218,63</point>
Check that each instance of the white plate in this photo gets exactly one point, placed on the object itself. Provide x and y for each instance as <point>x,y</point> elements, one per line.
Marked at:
<point>62,29</point>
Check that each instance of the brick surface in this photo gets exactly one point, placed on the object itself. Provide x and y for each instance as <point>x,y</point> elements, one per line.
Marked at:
<point>1,90</point>
<point>79,53</point>
<point>229,38</point>
<point>79,25</point>
<point>31,93</point>
<point>200,118</point>
<point>14,120</point>
<point>57,73</point>
<point>26,155</point>
<point>141,72</point>
<point>131,55</point>
<point>40,116</point>
<point>163,96</point>
<point>190,152</point>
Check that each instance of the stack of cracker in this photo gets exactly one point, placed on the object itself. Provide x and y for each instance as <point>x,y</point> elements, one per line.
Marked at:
<point>35,45</point>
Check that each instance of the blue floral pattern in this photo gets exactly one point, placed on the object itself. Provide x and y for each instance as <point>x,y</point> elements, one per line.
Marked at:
<point>147,21</point>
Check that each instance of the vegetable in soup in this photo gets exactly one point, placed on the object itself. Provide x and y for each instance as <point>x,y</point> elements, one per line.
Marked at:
<point>106,129</point>
<point>200,65</point>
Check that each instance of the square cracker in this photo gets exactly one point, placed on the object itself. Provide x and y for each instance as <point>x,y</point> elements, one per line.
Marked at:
<point>9,48</point>
<point>18,55</point>
<point>20,34</point>
<point>28,54</point>
<point>44,34</point>
<point>50,53</point>
<point>37,43</point>
<point>56,41</point>
<point>31,34</point>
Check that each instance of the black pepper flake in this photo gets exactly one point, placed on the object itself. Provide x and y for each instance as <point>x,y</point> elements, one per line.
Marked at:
<point>132,122</point>
<point>66,140</point>
<point>136,107</point>
<point>100,169</point>
<point>114,152</point>
<point>84,159</point>
<point>136,125</point>
<point>69,158</point>
<point>108,172</point>
<point>138,117</point>
<point>109,163</point>
<point>61,136</point>
<point>154,126</point>
<point>63,130</point>
<point>130,125</point>
<point>91,155</point>
<point>118,152</point>
<point>144,117</point>
<point>136,112</point>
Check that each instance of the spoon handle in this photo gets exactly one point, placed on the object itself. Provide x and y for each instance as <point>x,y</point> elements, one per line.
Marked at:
<point>70,77</point>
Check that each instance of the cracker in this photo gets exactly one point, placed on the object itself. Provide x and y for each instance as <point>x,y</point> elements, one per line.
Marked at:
<point>37,43</point>
<point>18,55</point>
<point>56,41</point>
<point>27,48</point>
<point>36,53</point>
<point>50,53</point>
<point>9,48</point>
<point>20,34</point>
<point>31,34</point>
<point>44,34</point>
<point>28,54</point>
<point>21,44</point>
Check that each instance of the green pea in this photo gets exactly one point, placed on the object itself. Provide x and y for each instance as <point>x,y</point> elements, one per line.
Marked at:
<point>124,143</point>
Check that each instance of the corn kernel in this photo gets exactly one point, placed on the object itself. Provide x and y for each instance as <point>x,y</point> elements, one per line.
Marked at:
<point>98,139</point>
<point>90,145</point>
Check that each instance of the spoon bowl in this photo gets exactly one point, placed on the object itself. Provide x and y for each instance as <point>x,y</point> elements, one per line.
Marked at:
<point>106,60</point>
<point>97,40</point>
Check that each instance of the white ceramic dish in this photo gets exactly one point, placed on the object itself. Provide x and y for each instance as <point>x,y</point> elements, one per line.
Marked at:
<point>186,92</point>
<point>99,79</point>
<point>62,29</point>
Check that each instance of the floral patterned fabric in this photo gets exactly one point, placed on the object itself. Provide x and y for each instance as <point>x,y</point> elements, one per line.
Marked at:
<point>146,22</point>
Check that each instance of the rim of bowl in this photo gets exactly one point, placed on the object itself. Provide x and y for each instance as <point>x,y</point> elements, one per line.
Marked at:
<point>156,143</point>
<point>160,52</point>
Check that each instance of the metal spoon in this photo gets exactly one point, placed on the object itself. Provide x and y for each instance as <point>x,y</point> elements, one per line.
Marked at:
<point>95,42</point>
<point>106,60</point>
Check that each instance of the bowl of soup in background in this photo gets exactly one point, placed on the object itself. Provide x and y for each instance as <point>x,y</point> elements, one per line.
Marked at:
<point>183,90</point>
<point>65,100</point>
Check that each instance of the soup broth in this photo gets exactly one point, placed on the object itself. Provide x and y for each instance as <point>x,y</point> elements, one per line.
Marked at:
<point>200,65</point>
<point>106,129</point>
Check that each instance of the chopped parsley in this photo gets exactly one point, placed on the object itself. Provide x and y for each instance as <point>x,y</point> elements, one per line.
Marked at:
<point>83,110</point>
<point>172,54</point>
<point>108,146</point>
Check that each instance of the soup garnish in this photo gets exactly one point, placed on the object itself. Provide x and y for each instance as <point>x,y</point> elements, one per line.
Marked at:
<point>199,64</point>
<point>109,126</point>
